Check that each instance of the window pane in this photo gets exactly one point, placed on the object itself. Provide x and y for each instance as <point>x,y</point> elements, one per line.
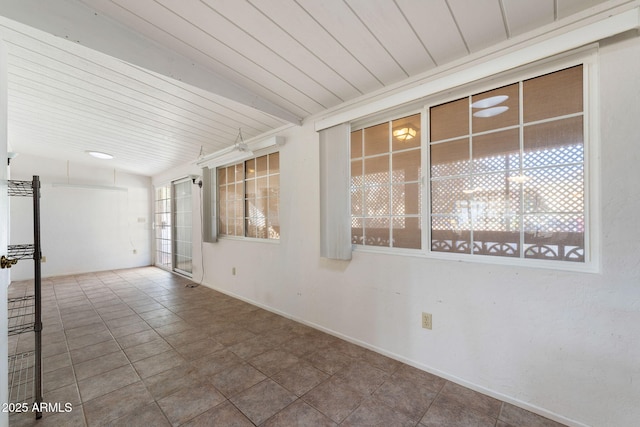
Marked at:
<point>357,207</point>
<point>555,236</point>
<point>450,120</point>
<point>405,199</point>
<point>250,166</point>
<point>406,166</point>
<point>274,163</point>
<point>261,165</point>
<point>552,95</point>
<point>450,158</point>
<point>497,151</point>
<point>377,201</point>
<point>495,109</point>
<point>553,143</point>
<point>406,133</point>
<point>239,172</point>
<point>222,176</point>
<point>377,231</point>
<point>376,139</point>
<point>446,238</point>
<point>559,189</point>
<point>407,233</point>
<point>448,197</point>
<point>356,144</point>
<point>376,170</point>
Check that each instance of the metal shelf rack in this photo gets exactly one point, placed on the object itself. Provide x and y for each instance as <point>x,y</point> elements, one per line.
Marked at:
<point>25,312</point>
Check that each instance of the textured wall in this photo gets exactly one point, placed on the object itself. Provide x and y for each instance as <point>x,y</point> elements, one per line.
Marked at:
<point>561,343</point>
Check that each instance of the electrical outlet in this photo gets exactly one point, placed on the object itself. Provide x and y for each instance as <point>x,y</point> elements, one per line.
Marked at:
<point>135,251</point>
<point>233,271</point>
<point>427,321</point>
<point>43,259</point>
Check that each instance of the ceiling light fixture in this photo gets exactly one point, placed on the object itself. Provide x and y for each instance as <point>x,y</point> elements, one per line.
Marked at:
<point>405,133</point>
<point>99,155</point>
<point>490,102</point>
<point>490,112</point>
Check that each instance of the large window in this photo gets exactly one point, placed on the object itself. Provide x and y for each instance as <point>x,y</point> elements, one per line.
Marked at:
<point>249,198</point>
<point>385,184</point>
<point>505,175</point>
<point>507,170</point>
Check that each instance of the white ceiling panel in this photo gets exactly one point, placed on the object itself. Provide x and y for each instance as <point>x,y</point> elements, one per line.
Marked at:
<point>253,65</point>
<point>388,25</point>
<point>194,43</point>
<point>433,23</point>
<point>309,34</point>
<point>525,16</point>
<point>480,21</point>
<point>338,19</point>
<point>569,7</point>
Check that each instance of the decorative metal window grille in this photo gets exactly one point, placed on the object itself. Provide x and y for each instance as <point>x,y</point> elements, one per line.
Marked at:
<point>249,198</point>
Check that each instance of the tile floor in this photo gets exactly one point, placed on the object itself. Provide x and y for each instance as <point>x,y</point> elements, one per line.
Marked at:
<point>138,347</point>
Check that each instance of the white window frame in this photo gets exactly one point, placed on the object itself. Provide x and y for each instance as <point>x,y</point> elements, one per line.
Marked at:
<point>214,191</point>
<point>587,57</point>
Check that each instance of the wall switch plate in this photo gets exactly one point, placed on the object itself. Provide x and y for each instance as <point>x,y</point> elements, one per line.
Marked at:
<point>233,271</point>
<point>427,321</point>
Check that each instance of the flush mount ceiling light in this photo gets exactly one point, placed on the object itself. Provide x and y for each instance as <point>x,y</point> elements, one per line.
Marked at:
<point>490,112</point>
<point>99,155</point>
<point>488,106</point>
<point>490,102</point>
<point>404,134</point>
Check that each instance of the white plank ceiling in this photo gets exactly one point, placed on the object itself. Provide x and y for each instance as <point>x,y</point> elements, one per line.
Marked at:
<point>303,56</point>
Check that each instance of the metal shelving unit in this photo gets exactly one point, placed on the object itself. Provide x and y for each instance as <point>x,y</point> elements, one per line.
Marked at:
<point>25,312</point>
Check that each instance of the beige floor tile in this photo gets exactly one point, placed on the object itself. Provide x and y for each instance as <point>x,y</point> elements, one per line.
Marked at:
<point>189,402</point>
<point>300,377</point>
<point>100,365</point>
<point>263,400</point>
<point>334,400</point>
<point>148,416</point>
<point>117,404</point>
<point>237,379</point>
<point>224,414</point>
<point>373,413</point>
<point>107,382</point>
<point>299,414</point>
<point>447,412</point>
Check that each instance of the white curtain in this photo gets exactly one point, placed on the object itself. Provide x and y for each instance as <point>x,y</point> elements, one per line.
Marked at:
<point>335,214</point>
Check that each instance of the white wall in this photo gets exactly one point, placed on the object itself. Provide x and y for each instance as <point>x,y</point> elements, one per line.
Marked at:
<point>82,229</point>
<point>563,344</point>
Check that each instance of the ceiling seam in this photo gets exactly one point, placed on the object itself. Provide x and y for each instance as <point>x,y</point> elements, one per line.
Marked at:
<point>231,129</point>
<point>229,68</point>
<point>415,33</point>
<point>376,38</point>
<point>455,21</point>
<point>505,22</point>
<point>125,76</point>
<point>307,49</point>
<point>265,46</point>
<point>124,113</point>
<point>339,43</point>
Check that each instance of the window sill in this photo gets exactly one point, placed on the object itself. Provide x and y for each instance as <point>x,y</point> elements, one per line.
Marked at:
<point>591,267</point>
